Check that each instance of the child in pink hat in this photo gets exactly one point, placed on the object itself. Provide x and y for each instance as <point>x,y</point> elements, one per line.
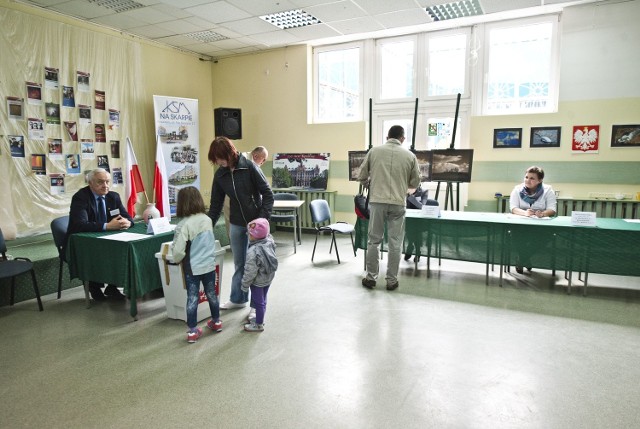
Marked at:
<point>259,270</point>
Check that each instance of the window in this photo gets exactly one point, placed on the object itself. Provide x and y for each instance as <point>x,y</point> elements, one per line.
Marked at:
<point>338,89</point>
<point>447,65</point>
<point>521,68</point>
<point>397,68</point>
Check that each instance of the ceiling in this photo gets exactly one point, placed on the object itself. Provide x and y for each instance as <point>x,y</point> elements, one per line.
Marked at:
<point>217,29</point>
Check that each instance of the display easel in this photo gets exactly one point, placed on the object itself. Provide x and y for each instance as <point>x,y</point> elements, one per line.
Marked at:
<point>449,190</point>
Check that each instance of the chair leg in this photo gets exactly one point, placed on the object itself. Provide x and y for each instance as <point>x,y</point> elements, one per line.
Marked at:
<point>13,290</point>
<point>60,280</point>
<point>294,237</point>
<point>314,246</point>
<point>353,244</point>
<point>36,290</point>
<point>333,240</point>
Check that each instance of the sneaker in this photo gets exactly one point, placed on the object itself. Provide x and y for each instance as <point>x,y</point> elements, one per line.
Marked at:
<point>369,284</point>
<point>252,314</point>
<point>192,336</point>
<point>393,286</point>
<point>215,326</point>
<point>229,305</point>
<point>254,327</point>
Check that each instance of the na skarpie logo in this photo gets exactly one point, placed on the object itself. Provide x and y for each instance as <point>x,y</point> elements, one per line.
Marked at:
<point>176,110</point>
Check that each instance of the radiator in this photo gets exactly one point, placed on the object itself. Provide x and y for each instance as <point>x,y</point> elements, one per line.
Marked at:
<point>307,197</point>
<point>621,209</point>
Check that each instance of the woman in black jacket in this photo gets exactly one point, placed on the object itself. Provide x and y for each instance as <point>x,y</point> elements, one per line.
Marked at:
<point>250,198</point>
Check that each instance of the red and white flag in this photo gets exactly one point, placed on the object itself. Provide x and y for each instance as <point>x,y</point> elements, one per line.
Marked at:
<point>160,183</point>
<point>134,184</point>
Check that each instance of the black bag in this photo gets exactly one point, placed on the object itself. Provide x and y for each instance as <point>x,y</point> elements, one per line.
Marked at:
<point>418,198</point>
<point>361,203</point>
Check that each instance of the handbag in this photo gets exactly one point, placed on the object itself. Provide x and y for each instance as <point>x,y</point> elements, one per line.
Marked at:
<point>361,203</point>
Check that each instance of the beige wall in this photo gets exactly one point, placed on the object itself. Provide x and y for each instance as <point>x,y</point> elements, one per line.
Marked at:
<point>271,90</point>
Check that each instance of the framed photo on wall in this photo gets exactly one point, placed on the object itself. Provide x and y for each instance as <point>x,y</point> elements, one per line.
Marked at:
<point>625,135</point>
<point>545,137</point>
<point>507,137</point>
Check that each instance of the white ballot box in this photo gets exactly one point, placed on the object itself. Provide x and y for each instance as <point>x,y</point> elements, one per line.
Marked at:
<point>175,290</point>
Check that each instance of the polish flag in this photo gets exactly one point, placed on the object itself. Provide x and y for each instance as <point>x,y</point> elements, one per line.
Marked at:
<point>160,183</point>
<point>134,184</point>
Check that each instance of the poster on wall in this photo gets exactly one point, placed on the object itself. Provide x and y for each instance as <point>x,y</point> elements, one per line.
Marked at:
<point>177,125</point>
<point>51,77</point>
<point>301,171</point>
<point>57,183</point>
<point>36,129</point>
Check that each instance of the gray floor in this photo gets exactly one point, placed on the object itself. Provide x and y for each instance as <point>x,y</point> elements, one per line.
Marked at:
<point>448,352</point>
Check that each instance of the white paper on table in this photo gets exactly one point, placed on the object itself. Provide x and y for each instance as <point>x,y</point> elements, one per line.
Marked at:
<point>125,236</point>
<point>632,220</point>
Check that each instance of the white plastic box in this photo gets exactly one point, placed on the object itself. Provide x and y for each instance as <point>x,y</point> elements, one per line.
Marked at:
<point>175,291</point>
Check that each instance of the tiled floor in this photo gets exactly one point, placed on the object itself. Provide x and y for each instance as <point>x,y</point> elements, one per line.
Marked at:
<point>443,352</point>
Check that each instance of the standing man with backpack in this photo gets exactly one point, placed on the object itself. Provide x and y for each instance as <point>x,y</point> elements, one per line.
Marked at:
<point>390,172</point>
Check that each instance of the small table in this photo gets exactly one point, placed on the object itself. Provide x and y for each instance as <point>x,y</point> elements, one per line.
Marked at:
<point>131,265</point>
<point>293,206</point>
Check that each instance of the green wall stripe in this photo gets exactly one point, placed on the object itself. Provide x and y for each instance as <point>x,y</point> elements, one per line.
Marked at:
<point>585,172</point>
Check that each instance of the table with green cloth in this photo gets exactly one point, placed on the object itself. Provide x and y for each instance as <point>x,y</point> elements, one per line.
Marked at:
<point>611,247</point>
<point>131,265</point>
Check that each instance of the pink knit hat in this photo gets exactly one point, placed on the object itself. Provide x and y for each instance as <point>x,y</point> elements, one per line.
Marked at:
<point>258,228</point>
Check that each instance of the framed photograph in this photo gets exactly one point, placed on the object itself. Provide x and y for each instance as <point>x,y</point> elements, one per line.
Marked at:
<point>625,135</point>
<point>425,160</point>
<point>507,137</point>
<point>545,137</point>
<point>451,165</point>
<point>356,158</point>
<point>300,171</point>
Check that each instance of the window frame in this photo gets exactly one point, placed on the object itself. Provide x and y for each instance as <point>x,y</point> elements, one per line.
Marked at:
<point>554,67</point>
<point>316,84</point>
<point>378,68</point>
<point>467,32</point>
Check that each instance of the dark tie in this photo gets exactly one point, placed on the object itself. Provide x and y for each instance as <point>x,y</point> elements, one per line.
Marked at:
<point>102,214</point>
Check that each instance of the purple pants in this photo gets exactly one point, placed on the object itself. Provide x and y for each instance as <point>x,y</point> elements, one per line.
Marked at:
<point>259,301</point>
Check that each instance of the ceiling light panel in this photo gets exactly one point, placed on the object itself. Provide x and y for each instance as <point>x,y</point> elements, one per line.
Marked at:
<point>453,10</point>
<point>117,5</point>
<point>291,19</point>
<point>206,36</point>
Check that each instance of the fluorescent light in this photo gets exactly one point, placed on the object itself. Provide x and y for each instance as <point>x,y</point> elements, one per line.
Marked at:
<point>291,19</point>
<point>453,10</point>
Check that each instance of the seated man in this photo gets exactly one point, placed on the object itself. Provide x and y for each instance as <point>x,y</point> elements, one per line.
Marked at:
<point>94,208</point>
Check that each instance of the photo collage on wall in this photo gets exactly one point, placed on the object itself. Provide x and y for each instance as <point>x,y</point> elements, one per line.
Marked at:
<point>585,139</point>
<point>64,135</point>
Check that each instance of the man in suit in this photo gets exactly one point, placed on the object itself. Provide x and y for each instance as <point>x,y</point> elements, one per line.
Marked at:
<point>94,208</point>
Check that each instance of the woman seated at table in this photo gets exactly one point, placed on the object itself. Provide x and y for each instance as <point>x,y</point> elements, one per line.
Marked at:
<point>532,198</point>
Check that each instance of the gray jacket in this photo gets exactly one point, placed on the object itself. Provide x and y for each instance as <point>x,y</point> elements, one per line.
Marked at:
<point>389,171</point>
<point>261,263</point>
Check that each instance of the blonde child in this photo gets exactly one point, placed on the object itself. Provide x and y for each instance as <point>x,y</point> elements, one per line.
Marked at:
<point>259,270</point>
<point>194,246</point>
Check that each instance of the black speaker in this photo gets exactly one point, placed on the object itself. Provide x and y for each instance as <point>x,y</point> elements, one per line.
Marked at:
<point>228,122</point>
